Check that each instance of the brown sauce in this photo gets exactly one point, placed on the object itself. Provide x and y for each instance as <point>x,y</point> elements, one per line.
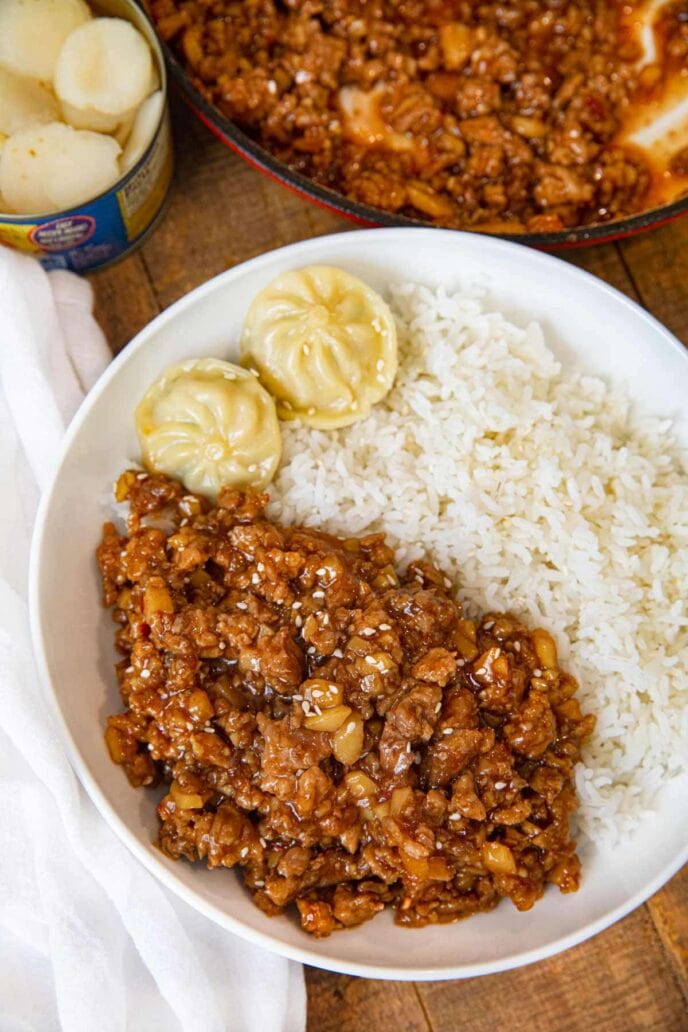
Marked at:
<point>340,733</point>
<point>500,116</point>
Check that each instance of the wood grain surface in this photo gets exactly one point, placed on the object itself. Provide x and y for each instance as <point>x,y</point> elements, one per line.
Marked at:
<point>632,977</point>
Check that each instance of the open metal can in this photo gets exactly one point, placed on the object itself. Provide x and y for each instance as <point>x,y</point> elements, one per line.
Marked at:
<point>111,225</point>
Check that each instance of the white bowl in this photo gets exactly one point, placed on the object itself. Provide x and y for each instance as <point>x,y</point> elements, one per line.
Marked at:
<point>587,323</point>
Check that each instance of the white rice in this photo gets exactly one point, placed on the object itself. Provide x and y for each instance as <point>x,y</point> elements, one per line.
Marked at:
<point>539,494</point>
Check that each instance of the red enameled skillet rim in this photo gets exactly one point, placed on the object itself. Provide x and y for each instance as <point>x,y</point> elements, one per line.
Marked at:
<point>365,215</point>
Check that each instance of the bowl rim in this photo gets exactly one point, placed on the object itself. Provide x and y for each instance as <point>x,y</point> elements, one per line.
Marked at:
<point>144,854</point>
<point>364,214</point>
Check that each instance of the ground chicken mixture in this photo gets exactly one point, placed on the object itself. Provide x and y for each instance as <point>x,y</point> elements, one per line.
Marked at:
<point>463,113</point>
<point>340,733</point>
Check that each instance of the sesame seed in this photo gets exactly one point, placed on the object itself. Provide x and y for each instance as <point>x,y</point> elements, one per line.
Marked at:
<point>318,710</point>
<point>447,582</point>
<point>263,844</point>
<point>244,852</point>
<point>305,707</point>
<point>260,566</point>
<point>326,619</point>
<point>480,671</point>
<point>537,672</point>
<point>338,654</point>
<point>242,605</point>
<point>371,660</point>
<point>497,653</point>
<point>311,650</point>
<point>321,572</point>
<point>129,670</point>
<point>438,707</point>
<point>380,365</point>
<point>141,476</point>
<point>297,698</point>
<point>145,674</point>
<point>408,747</point>
<point>298,621</point>
<point>454,816</point>
<point>517,646</point>
<point>259,884</point>
<point>368,631</point>
<point>447,730</point>
<point>499,785</point>
<point>296,605</point>
<point>461,662</point>
<point>255,579</point>
<point>222,645</point>
<point>351,726</point>
<point>318,594</point>
<point>272,86</point>
<point>385,627</point>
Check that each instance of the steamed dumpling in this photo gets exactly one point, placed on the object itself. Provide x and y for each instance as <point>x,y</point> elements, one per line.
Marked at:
<point>323,343</point>
<point>210,424</point>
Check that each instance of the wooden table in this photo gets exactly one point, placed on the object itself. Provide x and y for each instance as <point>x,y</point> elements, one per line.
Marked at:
<point>633,976</point>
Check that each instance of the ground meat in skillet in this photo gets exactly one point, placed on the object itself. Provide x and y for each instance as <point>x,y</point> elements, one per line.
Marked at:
<point>462,113</point>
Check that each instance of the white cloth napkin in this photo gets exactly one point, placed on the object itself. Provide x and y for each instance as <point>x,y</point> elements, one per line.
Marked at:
<point>88,939</point>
